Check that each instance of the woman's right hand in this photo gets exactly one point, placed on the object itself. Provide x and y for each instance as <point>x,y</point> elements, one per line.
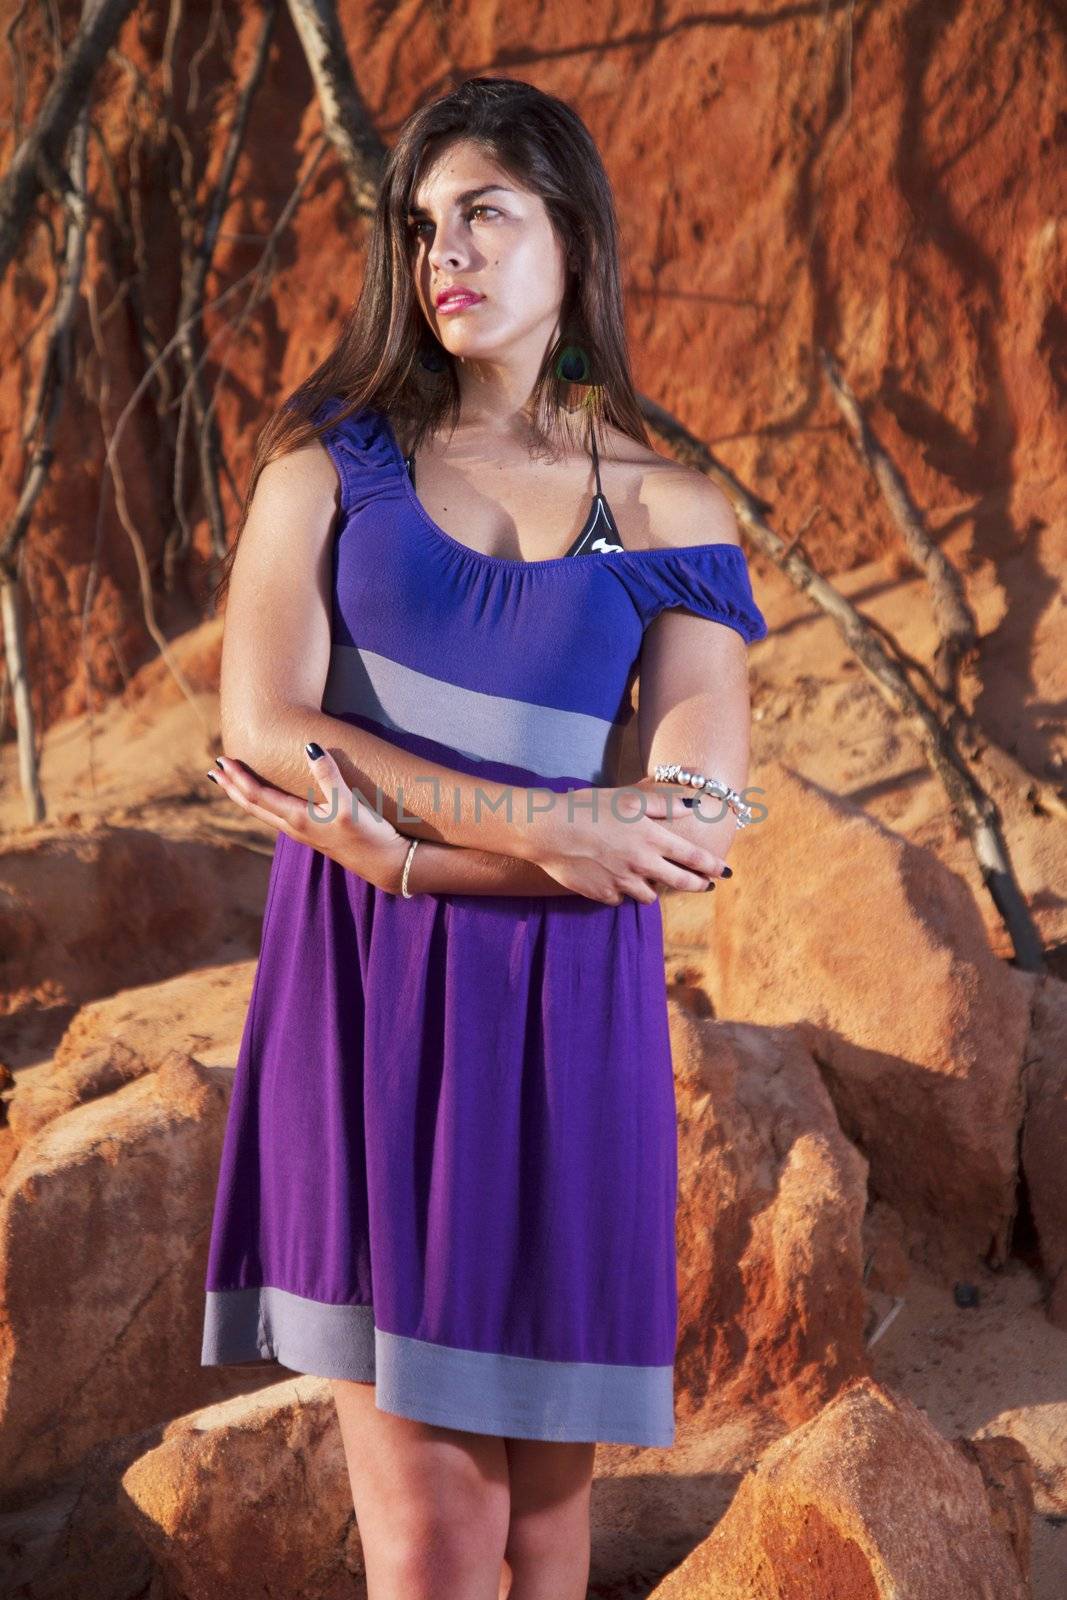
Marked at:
<point>615,852</point>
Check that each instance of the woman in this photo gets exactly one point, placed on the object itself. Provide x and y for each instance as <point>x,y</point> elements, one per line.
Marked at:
<point>450,1169</point>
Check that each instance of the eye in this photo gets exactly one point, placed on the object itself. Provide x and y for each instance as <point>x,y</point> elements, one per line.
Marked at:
<point>416,224</point>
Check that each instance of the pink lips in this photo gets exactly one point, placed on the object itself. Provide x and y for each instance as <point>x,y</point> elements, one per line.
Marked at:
<point>458,301</point>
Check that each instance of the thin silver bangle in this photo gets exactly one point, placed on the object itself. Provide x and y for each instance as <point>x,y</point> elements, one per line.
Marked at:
<point>671,772</point>
<point>407,868</point>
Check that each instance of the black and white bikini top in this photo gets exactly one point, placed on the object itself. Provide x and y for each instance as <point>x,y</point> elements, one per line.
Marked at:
<point>600,532</point>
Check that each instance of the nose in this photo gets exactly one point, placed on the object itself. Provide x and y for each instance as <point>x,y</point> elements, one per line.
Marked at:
<point>449,252</point>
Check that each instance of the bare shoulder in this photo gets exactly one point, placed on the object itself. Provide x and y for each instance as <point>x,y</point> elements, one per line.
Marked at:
<point>293,510</point>
<point>680,505</point>
<point>306,470</point>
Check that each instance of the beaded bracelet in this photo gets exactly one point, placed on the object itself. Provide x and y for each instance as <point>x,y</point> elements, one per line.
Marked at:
<point>671,772</point>
<point>407,868</point>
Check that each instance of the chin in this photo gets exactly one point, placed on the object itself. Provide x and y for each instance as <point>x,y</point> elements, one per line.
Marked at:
<point>474,349</point>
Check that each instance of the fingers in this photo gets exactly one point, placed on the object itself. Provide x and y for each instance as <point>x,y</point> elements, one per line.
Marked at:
<point>638,889</point>
<point>651,799</point>
<point>633,800</point>
<point>254,809</point>
<point>682,864</point>
<point>673,877</point>
<point>344,801</point>
<point>275,806</point>
<point>326,775</point>
<point>691,857</point>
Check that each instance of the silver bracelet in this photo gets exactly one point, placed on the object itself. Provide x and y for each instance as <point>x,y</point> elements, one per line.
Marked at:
<point>671,772</point>
<point>407,868</point>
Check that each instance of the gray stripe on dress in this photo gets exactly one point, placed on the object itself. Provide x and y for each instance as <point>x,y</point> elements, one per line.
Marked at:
<point>479,1391</point>
<point>483,727</point>
<point>521,1397</point>
<point>268,1324</point>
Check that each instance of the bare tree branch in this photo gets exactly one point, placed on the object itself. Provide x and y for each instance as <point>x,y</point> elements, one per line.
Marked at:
<point>47,401</point>
<point>348,124</point>
<point>952,611</point>
<point>45,408</point>
<point>953,614</point>
<point>40,155</point>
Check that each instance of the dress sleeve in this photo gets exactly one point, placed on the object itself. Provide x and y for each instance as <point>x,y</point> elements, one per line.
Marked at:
<point>333,440</point>
<point>359,447</point>
<point>710,580</point>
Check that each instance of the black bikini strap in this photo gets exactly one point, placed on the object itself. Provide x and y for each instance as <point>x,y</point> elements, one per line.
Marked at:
<point>596,458</point>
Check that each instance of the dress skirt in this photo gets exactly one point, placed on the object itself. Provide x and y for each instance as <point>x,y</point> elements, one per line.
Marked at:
<point>450,1160</point>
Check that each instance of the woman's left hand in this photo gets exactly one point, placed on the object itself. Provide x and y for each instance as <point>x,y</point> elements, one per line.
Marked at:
<point>354,835</point>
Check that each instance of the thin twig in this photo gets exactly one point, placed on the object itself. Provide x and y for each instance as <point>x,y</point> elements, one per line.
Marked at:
<point>197,261</point>
<point>253,276</point>
<point>144,571</point>
<point>45,408</point>
<point>952,613</point>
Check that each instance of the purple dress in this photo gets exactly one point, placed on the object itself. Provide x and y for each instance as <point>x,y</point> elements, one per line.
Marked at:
<point>450,1158</point>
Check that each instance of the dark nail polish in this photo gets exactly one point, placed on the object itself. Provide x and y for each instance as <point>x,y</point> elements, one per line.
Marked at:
<point>314,750</point>
<point>727,872</point>
<point>212,776</point>
<point>218,763</point>
<point>711,883</point>
<point>690,800</point>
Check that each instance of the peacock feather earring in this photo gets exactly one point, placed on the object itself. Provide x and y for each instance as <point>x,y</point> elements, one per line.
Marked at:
<point>573,365</point>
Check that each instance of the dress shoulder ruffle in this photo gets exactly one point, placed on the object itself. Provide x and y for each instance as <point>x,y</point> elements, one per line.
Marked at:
<point>710,580</point>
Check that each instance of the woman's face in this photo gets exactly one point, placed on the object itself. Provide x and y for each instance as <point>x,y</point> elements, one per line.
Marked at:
<point>472,226</point>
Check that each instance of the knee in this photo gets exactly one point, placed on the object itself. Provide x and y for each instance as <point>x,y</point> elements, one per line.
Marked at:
<point>537,1539</point>
<point>436,1560</point>
<point>430,1547</point>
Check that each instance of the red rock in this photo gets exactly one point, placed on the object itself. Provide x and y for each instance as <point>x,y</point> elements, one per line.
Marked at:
<point>875,951</point>
<point>1044,1138</point>
<point>772,1197</point>
<point>103,1242</point>
<point>868,1502</point>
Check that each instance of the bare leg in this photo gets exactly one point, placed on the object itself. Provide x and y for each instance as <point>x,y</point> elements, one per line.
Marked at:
<point>548,1539</point>
<point>431,1503</point>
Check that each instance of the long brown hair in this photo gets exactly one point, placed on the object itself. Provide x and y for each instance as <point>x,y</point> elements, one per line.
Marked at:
<point>380,356</point>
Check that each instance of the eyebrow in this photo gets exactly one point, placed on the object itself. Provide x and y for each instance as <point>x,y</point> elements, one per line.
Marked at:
<point>465,197</point>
